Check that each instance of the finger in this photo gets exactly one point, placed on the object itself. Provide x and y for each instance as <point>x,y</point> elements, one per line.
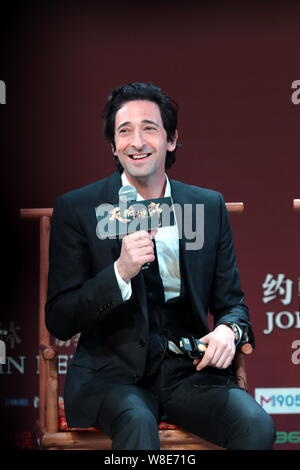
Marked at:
<point>133,243</point>
<point>153,232</point>
<point>219,356</point>
<point>142,243</point>
<point>146,259</point>
<point>205,339</point>
<point>203,363</point>
<point>138,256</point>
<point>224,361</point>
<point>140,235</point>
<point>145,251</point>
<point>207,358</point>
<point>221,362</point>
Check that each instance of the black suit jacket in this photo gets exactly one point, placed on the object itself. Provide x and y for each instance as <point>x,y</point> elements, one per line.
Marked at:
<point>84,296</point>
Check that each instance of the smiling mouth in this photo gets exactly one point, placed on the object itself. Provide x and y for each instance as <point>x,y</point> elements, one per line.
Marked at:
<point>140,156</point>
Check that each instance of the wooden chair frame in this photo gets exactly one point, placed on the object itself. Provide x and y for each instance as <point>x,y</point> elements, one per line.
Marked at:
<point>47,426</point>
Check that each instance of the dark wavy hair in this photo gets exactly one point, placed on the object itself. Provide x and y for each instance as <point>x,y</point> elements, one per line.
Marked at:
<point>141,91</point>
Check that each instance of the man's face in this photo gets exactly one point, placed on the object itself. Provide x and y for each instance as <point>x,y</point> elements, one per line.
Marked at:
<point>141,140</point>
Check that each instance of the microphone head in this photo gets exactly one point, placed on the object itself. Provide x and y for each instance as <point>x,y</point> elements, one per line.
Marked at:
<point>127,193</point>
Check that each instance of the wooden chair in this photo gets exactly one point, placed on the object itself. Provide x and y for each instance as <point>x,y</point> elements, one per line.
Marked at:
<point>48,432</point>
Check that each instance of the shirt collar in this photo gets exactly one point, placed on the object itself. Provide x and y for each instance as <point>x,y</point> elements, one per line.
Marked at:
<point>139,197</point>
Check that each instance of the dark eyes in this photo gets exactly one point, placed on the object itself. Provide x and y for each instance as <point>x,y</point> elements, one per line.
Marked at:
<point>146,128</point>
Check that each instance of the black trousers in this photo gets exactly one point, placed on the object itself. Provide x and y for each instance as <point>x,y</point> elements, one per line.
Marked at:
<point>207,403</point>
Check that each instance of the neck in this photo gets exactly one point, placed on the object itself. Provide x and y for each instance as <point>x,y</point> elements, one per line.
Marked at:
<point>147,188</point>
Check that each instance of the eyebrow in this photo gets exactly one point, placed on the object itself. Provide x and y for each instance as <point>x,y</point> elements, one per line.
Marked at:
<point>144,121</point>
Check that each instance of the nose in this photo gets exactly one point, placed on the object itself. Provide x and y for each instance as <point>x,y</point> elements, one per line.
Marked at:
<point>137,140</point>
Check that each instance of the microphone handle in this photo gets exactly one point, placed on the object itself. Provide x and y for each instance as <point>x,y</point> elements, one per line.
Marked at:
<point>148,264</point>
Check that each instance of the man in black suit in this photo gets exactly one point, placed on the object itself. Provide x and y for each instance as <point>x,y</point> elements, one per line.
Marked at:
<point>128,372</point>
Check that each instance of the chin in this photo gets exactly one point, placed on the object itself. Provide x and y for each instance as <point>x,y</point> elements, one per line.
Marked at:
<point>138,175</point>
<point>138,172</point>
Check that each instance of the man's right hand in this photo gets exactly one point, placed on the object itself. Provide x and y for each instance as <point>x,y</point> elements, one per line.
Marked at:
<point>137,249</point>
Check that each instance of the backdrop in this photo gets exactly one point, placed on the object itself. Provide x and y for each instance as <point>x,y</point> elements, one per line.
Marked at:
<point>234,71</point>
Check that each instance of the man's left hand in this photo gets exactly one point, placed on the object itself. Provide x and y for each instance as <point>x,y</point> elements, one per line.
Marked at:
<point>220,348</point>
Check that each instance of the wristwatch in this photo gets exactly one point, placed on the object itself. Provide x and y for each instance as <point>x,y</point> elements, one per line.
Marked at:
<point>235,328</point>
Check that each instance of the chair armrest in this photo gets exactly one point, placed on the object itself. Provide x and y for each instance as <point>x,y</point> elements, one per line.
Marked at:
<point>247,349</point>
<point>48,352</point>
<point>240,366</point>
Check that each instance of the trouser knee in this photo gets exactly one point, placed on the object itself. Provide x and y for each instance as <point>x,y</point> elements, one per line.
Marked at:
<point>256,432</point>
<point>265,430</point>
<point>135,428</point>
<point>135,418</point>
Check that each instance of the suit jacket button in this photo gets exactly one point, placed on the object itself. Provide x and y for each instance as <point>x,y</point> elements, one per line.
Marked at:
<point>142,343</point>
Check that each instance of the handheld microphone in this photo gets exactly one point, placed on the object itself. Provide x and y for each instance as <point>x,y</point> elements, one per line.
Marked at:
<point>128,194</point>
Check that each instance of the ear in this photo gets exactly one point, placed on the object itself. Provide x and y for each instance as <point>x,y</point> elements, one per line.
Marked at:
<point>113,150</point>
<point>172,145</point>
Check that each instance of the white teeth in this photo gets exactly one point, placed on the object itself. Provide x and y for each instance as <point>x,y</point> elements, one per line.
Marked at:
<point>138,157</point>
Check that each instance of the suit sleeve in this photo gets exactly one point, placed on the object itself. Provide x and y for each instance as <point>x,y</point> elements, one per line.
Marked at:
<point>76,299</point>
<point>227,299</point>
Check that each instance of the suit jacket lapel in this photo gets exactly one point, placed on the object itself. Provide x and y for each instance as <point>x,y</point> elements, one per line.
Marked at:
<point>192,259</point>
<point>110,193</point>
